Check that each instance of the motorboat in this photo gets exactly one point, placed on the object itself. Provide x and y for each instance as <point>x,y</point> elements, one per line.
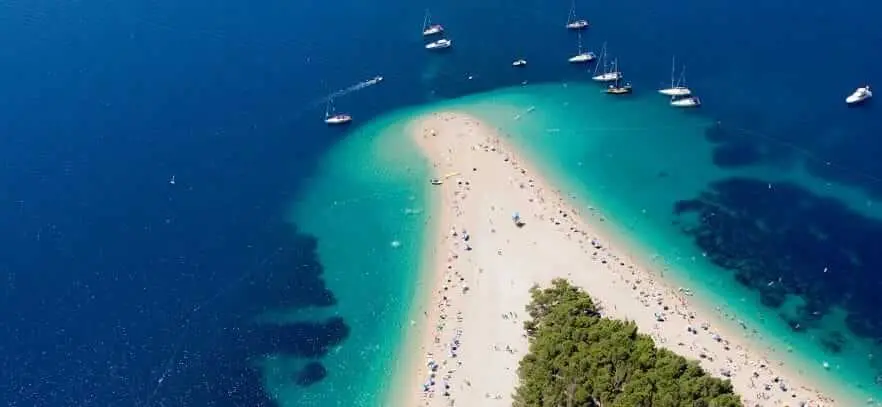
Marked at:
<point>606,75</point>
<point>440,44</point>
<point>430,29</point>
<point>519,63</point>
<point>860,95</point>
<point>332,118</point>
<point>688,101</point>
<point>678,88</point>
<point>582,58</point>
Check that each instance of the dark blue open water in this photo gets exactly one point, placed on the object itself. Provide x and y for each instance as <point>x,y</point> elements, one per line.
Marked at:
<point>122,289</point>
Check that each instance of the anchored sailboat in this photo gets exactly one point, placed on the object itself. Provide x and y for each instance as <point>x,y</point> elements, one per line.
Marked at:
<point>429,28</point>
<point>607,75</point>
<point>687,101</point>
<point>332,118</point>
<point>440,44</point>
<point>677,88</point>
<point>582,56</point>
<point>573,22</point>
<point>616,88</point>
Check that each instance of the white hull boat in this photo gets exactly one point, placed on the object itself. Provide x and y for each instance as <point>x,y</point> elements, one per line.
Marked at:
<point>676,91</point>
<point>338,119</point>
<point>860,95</point>
<point>430,29</point>
<point>691,101</point>
<point>607,77</point>
<point>519,63</point>
<point>582,58</point>
<point>678,88</point>
<point>440,44</point>
<point>577,25</point>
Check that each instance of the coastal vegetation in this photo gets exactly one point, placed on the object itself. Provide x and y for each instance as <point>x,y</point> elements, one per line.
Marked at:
<point>579,358</point>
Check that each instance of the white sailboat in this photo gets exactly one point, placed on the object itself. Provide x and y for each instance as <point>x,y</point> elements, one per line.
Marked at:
<point>429,28</point>
<point>860,95</point>
<point>687,101</point>
<point>573,22</point>
<point>677,88</point>
<point>332,118</point>
<point>440,44</point>
<point>519,63</point>
<point>607,75</point>
<point>583,56</point>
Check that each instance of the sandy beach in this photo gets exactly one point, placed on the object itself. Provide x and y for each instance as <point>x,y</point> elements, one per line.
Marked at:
<point>483,266</point>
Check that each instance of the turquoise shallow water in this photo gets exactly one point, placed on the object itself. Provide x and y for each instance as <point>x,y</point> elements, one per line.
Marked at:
<point>633,158</point>
<point>367,206</point>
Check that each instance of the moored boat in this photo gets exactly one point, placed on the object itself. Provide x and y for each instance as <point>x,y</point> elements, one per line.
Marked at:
<point>575,23</point>
<point>332,118</point>
<point>678,87</point>
<point>581,56</point>
<point>860,95</point>
<point>429,28</point>
<point>519,63</point>
<point>616,88</point>
<point>607,75</point>
<point>687,101</point>
<point>440,44</point>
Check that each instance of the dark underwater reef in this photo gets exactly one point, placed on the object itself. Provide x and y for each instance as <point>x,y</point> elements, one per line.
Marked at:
<point>226,372</point>
<point>785,240</point>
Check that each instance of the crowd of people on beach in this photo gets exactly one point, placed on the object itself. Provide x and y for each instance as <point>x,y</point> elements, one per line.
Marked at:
<point>720,349</point>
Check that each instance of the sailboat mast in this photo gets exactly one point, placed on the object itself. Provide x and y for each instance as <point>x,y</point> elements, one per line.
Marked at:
<point>426,20</point>
<point>673,68</point>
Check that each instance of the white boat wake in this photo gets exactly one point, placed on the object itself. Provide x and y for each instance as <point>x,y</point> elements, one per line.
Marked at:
<point>358,86</point>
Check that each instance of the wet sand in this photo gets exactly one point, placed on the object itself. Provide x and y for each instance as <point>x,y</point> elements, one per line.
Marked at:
<point>483,265</point>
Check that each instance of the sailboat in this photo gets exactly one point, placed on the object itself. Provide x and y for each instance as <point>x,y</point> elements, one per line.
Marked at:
<point>574,23</point>
<point>677,88</point>
<point>615,88</point>
<point>332,118</point>
<point>582,56</point>
<point>606,76</point>
<point>429,28</point>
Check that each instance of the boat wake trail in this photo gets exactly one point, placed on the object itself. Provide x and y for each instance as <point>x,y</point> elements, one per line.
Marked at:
<point>358,86</point>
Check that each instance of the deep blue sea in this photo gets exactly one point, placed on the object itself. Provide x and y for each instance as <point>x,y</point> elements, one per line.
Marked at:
<point>121,288</point>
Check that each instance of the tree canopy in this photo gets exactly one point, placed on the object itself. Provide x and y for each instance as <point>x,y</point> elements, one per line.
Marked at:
<point>578,358</point>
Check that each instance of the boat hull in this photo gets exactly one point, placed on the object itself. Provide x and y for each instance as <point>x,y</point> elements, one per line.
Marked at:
<point>686,103</point>
<point>433,30</point>
<point>338,120</point>
<point>675,92</point>
<point>581,58</point>
<point>578,25</point>
<point>438,45</point>
<point>607,77</point>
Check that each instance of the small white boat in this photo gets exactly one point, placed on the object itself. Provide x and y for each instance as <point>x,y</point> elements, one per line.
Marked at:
<point>440,44</point>
<point>688,101</point>
<point>429,28</point>
<point>575,23</point>
<point>608,75</point>
<point>582,56</point>
<point>332,118</point>
<point>677,88</point>
<point>519,63</point>
<point>860,95</point>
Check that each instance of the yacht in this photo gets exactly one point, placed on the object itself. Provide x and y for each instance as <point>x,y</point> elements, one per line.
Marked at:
<point>615,88</point>
<point>678,87</point>
<point>860,95</point>
<point>519,63</point>
<point>440,44</point>
<point>687,101</point>
<point>575,23</point>
<point>607,75</point>
<point>582,56</point>
<point>430,29</point>
<point>332,118</point>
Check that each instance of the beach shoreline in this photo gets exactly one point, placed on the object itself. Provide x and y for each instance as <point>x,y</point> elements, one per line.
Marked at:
<point>469,321</point>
